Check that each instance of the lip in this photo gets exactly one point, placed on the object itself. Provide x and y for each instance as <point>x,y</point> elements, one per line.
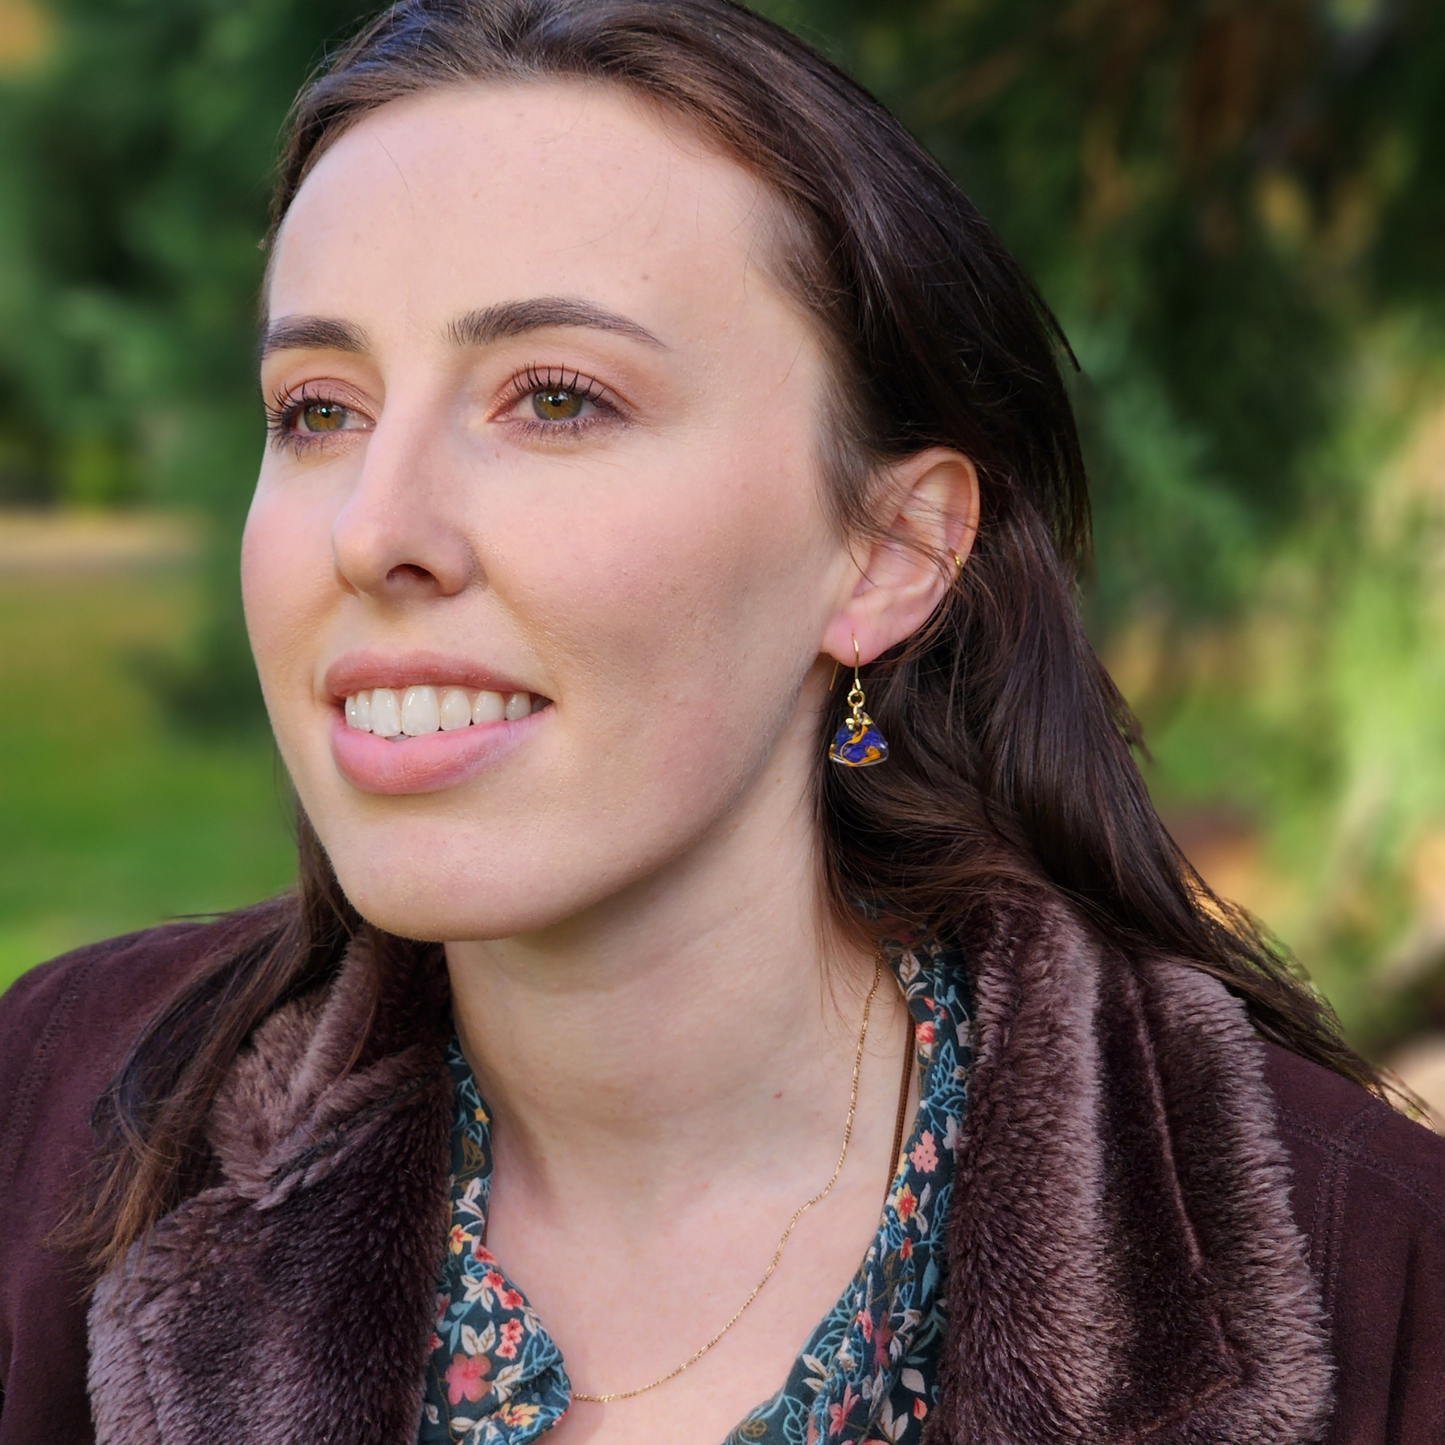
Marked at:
<point>426,764</point>
<point>355,672</point>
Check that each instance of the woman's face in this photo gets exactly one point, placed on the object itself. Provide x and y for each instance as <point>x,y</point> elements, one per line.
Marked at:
<point>543,454</point>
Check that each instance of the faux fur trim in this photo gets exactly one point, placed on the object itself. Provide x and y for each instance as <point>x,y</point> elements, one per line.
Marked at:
<point>1123,1262</point>
<point>1232,1169</point>
<point>293,1302</point>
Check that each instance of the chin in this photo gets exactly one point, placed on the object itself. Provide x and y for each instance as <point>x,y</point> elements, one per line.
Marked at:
<point>419,893</point>
<point>418,904</point>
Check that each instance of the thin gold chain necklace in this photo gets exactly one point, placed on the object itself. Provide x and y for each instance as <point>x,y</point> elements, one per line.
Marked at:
<point>821,1195</point>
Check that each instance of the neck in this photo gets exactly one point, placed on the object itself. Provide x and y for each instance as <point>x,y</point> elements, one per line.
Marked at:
<point>703,1021</point>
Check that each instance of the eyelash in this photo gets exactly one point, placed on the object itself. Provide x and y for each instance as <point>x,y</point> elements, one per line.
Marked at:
<point>283,409</point>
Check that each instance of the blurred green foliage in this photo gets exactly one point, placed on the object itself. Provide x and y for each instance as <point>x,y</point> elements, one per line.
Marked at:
<point>1234,206</point>
<point>137,144</point>
<point>1216,197</point>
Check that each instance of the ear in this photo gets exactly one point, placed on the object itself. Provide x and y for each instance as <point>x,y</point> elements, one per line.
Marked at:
<point>929,508</point>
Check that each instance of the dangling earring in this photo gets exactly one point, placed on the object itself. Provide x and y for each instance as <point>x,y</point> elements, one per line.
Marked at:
<point>858,743</point>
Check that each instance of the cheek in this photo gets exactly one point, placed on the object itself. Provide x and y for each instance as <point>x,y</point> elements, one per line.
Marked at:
<point>286,585</point>
<point>694,609</point>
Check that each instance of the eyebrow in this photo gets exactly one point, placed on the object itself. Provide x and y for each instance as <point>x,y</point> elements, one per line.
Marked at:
<point>314,333</point>
<point>516,318</point>
<point>477,328</point>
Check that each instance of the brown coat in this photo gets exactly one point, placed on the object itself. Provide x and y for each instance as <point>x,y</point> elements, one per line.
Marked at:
<point>1162,1231</point>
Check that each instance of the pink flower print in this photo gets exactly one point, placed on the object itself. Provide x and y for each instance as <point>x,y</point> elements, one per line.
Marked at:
<point>865,1323</point>
<point>905,1250</point>
<point>924,1155</point>
<point>920,1407</point>
<point>435,1343</point>
<point>443,1301</point>
<point>924,1034</point>
<point>838,1414</point>
<point>511,1338</point>
<point>495,1281</point>
<point>905,1202</point>
<point>464,1378</point>
<point>511,1300</point>
<point>483,1254</point>
<point>880,1344</point>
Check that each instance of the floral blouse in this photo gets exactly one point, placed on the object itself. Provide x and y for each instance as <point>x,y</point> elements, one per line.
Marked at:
<point>868,1372</point>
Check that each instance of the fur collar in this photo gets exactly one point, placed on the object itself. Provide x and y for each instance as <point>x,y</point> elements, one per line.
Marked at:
<point>292,1302</point>
<point>1123,1266</point>
<point>1123,1263</point>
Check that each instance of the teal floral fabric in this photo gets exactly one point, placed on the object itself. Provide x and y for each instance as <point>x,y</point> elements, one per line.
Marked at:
<point>868,1372</point>
<point>495,1376</point>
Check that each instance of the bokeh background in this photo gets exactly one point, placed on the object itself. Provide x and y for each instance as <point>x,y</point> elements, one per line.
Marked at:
<point>1237,209</point>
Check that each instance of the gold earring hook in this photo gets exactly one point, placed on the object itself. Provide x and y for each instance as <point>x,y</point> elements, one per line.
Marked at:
<point>855,695</point>
<point>833,681</point>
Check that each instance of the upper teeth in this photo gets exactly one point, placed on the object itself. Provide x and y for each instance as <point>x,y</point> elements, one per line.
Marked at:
<point>410,712</point>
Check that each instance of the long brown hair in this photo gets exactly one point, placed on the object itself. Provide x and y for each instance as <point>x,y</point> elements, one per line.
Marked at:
<point>1012,762</point>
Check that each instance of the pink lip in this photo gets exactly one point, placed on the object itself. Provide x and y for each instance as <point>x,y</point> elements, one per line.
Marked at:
<point>355,672</point>
<point>426,764</point>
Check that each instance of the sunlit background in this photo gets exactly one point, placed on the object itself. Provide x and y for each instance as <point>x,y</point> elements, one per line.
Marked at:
<point>1237,209</point>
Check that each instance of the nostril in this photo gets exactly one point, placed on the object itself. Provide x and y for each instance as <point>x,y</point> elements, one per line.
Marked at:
<point>409,572</point>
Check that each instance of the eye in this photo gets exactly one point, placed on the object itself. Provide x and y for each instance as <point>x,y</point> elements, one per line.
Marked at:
<point>309,418</point>
<point>322,416</point>
<point>561,403</point>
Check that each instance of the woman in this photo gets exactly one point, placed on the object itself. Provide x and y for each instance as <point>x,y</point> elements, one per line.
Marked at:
<point>722,858</point>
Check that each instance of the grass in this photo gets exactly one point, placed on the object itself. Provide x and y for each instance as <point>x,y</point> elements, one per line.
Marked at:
<point>110,820</point>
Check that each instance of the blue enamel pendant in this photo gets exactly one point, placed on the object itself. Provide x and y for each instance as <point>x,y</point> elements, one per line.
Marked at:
<point>858,743</point>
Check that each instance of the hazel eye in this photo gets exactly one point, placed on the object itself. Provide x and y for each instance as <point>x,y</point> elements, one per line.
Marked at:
<point>559,403</point>
<point>322,416</point>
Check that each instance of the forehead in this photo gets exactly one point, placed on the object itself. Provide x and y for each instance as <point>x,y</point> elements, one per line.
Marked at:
<point>461,196</point>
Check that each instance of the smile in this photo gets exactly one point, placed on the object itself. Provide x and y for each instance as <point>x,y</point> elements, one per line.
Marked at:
<point>426,738</point>
<point>412,712</point>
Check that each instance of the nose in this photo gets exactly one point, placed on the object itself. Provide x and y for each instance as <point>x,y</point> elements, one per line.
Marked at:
<point>398,537</point>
